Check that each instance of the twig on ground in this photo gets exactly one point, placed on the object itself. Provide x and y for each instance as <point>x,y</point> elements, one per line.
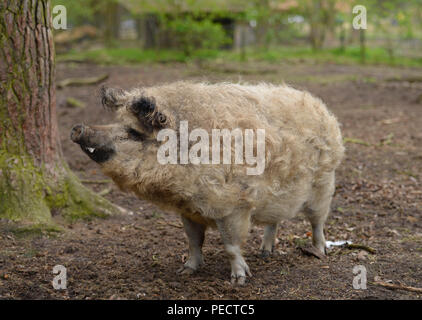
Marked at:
<point>170,224</point>
<point>361,246</point>
<point>391,121</point>
<point>356,141</point>
<point>397,286</point>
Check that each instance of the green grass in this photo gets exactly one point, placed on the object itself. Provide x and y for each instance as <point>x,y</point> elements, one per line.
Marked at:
<point>351,55</point>
<point>133,55</point>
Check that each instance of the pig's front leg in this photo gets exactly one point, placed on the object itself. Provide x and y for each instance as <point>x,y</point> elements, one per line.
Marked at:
<point>196,234</point>
<point>268,241</point>
<point>234,229</point>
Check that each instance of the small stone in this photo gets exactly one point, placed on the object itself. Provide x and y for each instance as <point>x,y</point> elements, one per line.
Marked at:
<point>362,255</point>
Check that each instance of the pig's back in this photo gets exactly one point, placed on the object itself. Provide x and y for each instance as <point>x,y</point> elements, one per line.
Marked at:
<point>300,131</point>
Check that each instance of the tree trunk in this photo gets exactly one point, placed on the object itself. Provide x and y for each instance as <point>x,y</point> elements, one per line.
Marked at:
<point>263,24</point>
<point>35,182</point>
<point>112,22</point>
<point>362,42</point>
<point>151,31</point>
<point>342,38</point>
<point>316,24</point>
<point>330,14</point>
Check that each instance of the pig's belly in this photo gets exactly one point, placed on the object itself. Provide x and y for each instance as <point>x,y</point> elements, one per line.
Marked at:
<point>198,218</point>
<point>270,213</point>
<point>272,207</point>
<point>277,208</point>
<point>276,211</point>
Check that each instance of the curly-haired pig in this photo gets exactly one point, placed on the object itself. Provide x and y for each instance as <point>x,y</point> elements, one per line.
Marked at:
<point>296,148</point>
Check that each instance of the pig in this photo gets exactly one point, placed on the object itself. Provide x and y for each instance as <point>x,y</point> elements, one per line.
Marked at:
<point>303,148</point>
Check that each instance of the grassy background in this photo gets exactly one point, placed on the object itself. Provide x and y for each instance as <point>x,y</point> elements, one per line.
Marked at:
<point>351,55</point>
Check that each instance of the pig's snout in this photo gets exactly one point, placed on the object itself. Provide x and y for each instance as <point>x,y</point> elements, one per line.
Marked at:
<point>77,133</point>
<point>95,143</point>
<point>87,136</point>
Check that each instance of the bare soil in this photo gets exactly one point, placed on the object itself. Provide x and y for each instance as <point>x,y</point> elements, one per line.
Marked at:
<point>135,256</point>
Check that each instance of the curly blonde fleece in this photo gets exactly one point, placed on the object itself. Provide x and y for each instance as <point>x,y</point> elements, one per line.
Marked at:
<point>303,147</point>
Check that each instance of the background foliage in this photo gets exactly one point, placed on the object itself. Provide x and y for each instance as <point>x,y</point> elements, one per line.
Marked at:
<point>180,30</point>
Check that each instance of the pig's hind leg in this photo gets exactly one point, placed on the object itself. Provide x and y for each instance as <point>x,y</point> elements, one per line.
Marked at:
<point>268,241</point>
<point>234,229</point>
<point>196,235</point>
<point>318,208</point>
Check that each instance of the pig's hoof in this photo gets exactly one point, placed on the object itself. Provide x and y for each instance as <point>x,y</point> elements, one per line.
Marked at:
<point>239,280</point>
<point>185,270</point>
<point>265,254</point>
<point>239,277</point>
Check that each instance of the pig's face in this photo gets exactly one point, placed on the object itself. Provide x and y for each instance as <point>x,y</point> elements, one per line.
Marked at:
<point>132,139</point>
<point>103,143</point>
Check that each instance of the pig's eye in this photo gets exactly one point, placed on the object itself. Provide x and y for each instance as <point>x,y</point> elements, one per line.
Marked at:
<point>135,135</point>
<point>143,106</point>
<point>160,119</point>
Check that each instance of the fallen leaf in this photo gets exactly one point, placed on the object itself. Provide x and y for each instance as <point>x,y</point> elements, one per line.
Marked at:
<point>412,219</point>
<point>312,251</point>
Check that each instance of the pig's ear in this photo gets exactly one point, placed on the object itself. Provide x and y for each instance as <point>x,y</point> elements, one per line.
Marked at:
<point>143,106</point>
<point>112,98</point>
<point>146,111</point>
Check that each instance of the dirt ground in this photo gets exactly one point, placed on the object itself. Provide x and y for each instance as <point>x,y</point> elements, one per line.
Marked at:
<point>135,256</point>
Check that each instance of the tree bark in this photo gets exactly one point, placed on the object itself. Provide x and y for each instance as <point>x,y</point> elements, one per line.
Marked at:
<point>112,22</point>
<point>34,178</point>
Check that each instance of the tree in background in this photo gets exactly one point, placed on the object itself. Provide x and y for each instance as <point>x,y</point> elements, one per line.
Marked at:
<point>110,10</point>
<point>173,23</point>
<point>35,181</point>
<point>321,16</point>
<point>187,25</point>
<point>191,35</point>
<point>105,15</point>
<point>263,17</point>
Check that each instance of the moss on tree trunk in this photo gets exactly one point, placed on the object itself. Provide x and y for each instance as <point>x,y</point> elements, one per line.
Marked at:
<point>35,182</point>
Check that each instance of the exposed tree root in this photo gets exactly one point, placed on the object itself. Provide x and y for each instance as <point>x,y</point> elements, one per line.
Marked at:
<point>81,81</point>
<point>33,195</point>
